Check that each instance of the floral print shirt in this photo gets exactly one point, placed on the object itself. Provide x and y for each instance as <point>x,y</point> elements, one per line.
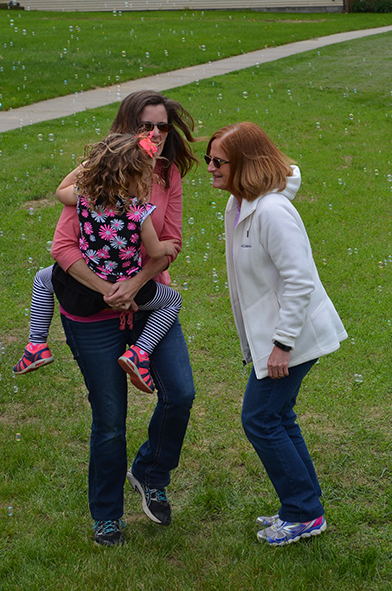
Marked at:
<point>110,238</point>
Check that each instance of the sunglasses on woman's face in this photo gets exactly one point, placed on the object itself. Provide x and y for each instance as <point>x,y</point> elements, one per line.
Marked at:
<point>217,162</point>
<point>149,126</point>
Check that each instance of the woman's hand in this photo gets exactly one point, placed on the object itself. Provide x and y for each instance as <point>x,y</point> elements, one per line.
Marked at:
<point>122,293</point>
<point>278,363</point>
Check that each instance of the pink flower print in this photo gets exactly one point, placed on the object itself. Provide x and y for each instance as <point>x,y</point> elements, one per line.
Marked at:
<point>84,202</point>
<point>136,214</point>
<point>126,264</point>
<point>85,213</point>
<point>92,255</point>
<point>88,229</point>
<point>127,253</point>
<point>106,232</point>
<point>98,215</point>
<point>111,265</point>
<point>131,226</point>
<point>83,244</point>
<point>134,238</point>
<point>110,212</point>
<point>103,253</point>
<point>117,224</point>
<point>102,272</point>
<point>118,242</point>
<point>133,270</point>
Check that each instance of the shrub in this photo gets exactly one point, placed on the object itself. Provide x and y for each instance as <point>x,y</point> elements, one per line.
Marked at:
<point>372,6</point>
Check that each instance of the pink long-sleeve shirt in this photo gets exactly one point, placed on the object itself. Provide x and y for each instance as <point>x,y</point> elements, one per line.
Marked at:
<point>166,220</point>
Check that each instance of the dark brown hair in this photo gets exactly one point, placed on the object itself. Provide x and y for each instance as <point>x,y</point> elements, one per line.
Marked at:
<point>110,165</point>
<point>257,166</point>
<point>176,149</point>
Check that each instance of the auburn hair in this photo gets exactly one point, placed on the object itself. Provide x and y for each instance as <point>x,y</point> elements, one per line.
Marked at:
<point>257,166</point>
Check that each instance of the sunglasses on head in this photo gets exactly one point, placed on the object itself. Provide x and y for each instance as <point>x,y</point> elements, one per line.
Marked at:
<point>149,126</point>
<point>217,162</point>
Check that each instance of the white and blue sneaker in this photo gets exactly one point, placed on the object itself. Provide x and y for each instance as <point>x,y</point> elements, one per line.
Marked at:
<point>286,532</point>
<point>267,520</point>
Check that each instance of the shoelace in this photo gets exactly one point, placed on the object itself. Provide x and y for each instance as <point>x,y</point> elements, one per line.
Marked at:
<point>161,495</point>
<point>126,318</point>
<point>108,526</point>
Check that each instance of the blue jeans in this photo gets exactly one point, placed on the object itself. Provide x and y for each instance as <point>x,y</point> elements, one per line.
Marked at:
<point>96,346</point>
<point>270,424</point>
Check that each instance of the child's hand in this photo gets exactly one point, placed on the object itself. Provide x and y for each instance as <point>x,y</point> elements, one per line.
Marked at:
<point>172,247</point>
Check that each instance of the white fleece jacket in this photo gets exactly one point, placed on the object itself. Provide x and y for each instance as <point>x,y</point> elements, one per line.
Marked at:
<point>275,289</point>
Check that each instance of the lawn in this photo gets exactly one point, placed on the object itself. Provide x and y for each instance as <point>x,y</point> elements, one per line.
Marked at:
<point>331,111</point>
<point>47,54</point>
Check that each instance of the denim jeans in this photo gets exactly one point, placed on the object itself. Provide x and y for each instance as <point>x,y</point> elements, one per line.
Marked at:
<point>270,424</point>
<point>96,347</point>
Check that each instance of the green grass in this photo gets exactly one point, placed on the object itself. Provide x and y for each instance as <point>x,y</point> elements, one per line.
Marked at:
<point>47,54</point>
<point>331,110</point>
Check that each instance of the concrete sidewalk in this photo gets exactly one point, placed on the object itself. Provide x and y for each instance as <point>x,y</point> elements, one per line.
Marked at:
<point>75,103</point>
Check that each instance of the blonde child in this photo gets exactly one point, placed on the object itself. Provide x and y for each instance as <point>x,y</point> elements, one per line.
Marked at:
<point>111,190</point>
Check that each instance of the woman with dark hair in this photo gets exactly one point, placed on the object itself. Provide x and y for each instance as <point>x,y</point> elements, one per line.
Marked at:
<point>98,343</point>
<point>284,318</point>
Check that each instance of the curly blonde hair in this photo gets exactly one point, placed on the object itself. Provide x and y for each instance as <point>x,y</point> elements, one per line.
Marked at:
<point>108,167</point>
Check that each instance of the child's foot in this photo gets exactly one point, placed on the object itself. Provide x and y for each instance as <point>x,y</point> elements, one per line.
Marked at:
<point>34,356</point>
<point>136,362</point>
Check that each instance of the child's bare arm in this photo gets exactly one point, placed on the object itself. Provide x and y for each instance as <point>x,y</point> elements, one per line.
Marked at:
<point>154,248</point>
<point>66,190</point>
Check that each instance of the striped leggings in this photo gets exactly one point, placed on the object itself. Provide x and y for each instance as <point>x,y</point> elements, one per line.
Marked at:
<point>165,306</point>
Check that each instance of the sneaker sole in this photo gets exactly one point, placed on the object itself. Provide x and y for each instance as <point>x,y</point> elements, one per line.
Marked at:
<point>130,368</point>
<point>314,532</point>
<point>34,366</point>
<point>135,484</point>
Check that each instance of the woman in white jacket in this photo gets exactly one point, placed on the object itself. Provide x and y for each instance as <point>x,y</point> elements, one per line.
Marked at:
<point>283,315</point>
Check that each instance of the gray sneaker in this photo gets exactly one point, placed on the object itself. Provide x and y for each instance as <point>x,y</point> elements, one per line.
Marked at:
<point>286,532</point>
<point>154,502</point>
<point>108,533</point>
<point>267,521</point>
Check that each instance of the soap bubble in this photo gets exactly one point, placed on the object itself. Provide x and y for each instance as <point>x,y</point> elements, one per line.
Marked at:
<point>49,245</point>
<point>351,116</point>
<point>188,259</point>
<point>124,53</point>
<point>147,54</point>
<point>40,137</point>
<point>10,511</point>
<point>17,437</point>
<point>358,378</point>
<point>191,221</point>
<point>350,251</point>
<point>51,137</point>
<point>185,286</point>
<point>245,94</point>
